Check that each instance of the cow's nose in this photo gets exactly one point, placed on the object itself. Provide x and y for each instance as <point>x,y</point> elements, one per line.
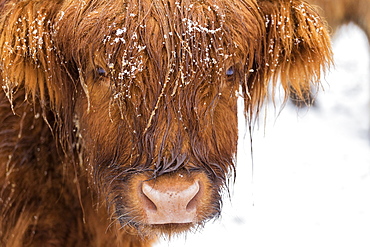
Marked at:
<point>171,202</point>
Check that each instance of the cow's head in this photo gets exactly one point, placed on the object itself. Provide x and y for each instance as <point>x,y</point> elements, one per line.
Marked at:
<point>146,91</point>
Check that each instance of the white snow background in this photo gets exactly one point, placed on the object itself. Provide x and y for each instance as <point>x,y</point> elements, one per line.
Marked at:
<point>311,180</point>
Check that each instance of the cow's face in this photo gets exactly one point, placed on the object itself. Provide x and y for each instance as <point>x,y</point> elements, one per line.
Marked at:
<point>161,144</point>
<point>156,113</point>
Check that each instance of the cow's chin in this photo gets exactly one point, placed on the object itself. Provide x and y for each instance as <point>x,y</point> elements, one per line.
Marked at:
<point>167,230</point>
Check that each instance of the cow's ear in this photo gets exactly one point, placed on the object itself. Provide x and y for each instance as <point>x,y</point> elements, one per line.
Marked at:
<point>297,45</point>
<point>296,48</point>
<point>28,57</point>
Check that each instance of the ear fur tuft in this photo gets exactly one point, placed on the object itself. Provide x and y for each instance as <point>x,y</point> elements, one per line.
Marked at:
<point>296,49</point>
<point>28,54</point>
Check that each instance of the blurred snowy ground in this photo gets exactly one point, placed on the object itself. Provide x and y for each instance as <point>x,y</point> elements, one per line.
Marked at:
<point>311,180</point>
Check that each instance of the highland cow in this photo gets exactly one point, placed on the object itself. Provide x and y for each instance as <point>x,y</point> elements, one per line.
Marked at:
<point>119,118</point>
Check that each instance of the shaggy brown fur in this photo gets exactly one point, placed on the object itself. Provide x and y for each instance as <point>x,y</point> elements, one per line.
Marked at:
<point>338,13</point>
<point>99,96</point>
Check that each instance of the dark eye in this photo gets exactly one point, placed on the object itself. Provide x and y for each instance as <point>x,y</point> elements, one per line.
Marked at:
<point>230,71</point>
<point>100,71</point>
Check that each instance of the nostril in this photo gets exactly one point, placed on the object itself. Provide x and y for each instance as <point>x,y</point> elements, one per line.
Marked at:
<point>192,205</point>
<point>148,203</point>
